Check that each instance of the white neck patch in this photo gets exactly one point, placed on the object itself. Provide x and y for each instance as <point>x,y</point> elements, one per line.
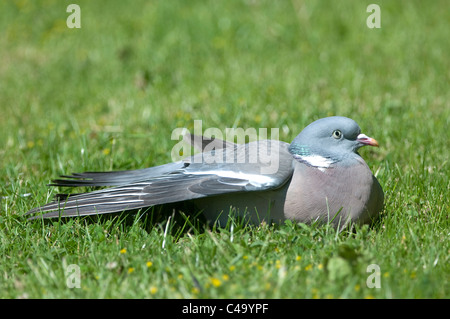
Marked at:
<point>317,161</point>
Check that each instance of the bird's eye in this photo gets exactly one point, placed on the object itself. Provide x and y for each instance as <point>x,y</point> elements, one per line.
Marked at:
<point>337,134</point>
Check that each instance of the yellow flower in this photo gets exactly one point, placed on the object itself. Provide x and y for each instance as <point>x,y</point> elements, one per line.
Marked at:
<point>180,276</point>
<point>309,267</point>
<point>319,266</point>
<point>357,287</point>
<point>226,277</point>
<point>130,270</point>
<point>123,251</point>
<point>277,264</point>
<point>232,268</point>
<point>149,264</point>
<point>106,151</point>
<point>195,290</point>
<point>245,257</point>
<point>298,258</point>
<point>216,282</point>
<point>153,290</point>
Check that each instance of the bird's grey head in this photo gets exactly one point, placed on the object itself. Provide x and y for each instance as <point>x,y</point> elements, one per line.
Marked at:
<point>333,138</point>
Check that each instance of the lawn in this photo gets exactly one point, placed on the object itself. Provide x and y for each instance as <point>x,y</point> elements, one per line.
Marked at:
<point>108,95</point>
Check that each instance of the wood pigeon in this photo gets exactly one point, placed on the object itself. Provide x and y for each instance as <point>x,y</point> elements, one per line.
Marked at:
<point>318,177</point>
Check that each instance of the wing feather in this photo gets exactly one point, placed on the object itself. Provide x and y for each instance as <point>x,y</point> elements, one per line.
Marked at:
<point>170,183</point>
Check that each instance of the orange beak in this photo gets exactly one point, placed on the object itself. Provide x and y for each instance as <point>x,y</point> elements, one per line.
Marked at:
<point>365,140</point>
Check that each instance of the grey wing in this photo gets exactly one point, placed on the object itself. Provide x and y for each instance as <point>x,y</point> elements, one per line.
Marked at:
<point>96,179</point>
<point>176,182</point>
<point>201,142</point>
<point>168,189</point>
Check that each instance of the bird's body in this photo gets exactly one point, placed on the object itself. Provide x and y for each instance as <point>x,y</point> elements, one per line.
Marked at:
<point>298,199</point>
<point>319,176</point>
<point>358,201</point>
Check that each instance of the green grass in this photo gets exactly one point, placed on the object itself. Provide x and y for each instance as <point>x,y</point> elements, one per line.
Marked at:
<point>108,95</point>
